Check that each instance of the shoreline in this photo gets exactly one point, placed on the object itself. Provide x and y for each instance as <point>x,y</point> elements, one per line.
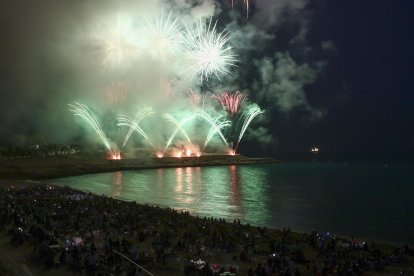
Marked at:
<point>49,168</point>
<point>24,184</point>
<point>25,172</point>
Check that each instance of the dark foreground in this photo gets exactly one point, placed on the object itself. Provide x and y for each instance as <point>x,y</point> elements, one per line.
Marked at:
<point>71,232</point>
<point>47,168</point>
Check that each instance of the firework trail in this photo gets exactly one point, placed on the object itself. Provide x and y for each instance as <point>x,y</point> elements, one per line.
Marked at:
<point>213,122</point>
<point>208,51</point>
<point>163,36</point>
<point>246,3</point>
<point>197,99</point>
<point>86,113</point>
<point>179,126</point>
<point>115,93</point>
<point>216,128</point>
<point>133,124</point>
<point>230,102</point>
<point>249,115</point>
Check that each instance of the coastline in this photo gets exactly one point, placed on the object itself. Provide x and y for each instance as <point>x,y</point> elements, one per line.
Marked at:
<point>49,168</point>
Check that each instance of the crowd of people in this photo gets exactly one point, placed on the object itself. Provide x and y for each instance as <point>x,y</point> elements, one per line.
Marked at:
<point>98,235</point>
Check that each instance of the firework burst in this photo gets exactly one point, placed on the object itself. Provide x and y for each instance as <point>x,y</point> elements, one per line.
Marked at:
<point>163,36</point>
<point>230,102</point>
<point>208,51</point>
<point>117,41</point>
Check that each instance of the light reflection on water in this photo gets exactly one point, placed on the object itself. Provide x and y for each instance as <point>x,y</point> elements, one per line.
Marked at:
<point>365,200</point>
<point>226,192</point>
<point>117,184</point>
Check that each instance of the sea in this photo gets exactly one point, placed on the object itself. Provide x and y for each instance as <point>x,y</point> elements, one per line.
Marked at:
<point>371,201</point>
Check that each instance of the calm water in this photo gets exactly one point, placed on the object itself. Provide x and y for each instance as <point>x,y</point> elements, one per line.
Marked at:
<point>365,200</point>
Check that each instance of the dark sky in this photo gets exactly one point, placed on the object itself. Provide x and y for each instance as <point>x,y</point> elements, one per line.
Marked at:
<point>366,88</point>
<point>375,65</point>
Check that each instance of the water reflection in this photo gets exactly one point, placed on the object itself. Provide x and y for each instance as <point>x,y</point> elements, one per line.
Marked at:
<point>235,186</point>
<point>179,180</point>
<point>300,196</point>
<point>116,184</point>
<point>228,192</point>
<point>188,180</point>
<point>184,185</point>
<point>255,198</point>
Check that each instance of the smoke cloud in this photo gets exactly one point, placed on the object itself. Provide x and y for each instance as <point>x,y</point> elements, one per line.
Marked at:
<point>52,57</point>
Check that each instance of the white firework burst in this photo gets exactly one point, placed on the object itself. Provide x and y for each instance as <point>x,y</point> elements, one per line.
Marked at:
<point>163,36</point>
<point>208,51</point>
<point>117,41</point>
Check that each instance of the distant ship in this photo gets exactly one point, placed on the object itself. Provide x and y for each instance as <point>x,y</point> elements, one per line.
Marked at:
<point>315,150</point>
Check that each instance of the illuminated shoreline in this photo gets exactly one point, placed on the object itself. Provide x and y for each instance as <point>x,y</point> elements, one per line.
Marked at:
<point>48,168</point>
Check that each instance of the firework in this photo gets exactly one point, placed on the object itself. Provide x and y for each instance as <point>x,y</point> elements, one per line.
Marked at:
<point>249,115</point>
<point>86,113</point>
<point>208,51</point>
<point>213,123</point>
<point>163,36</point>
<point>230,102</point>
<point>216,127</point>
<point>134,124</point>
<point>197,99</point>
<point>246,3</point>
<point>179,127</point>
<point>115,94</point>
<point>117,41</point>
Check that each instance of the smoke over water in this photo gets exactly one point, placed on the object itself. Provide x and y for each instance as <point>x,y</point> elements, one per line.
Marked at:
<point>109,56</point>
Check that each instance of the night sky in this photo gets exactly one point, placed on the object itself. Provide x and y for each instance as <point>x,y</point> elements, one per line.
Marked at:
<point>362,93</point>
<point>367,87</point>
<point>370,78</point>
